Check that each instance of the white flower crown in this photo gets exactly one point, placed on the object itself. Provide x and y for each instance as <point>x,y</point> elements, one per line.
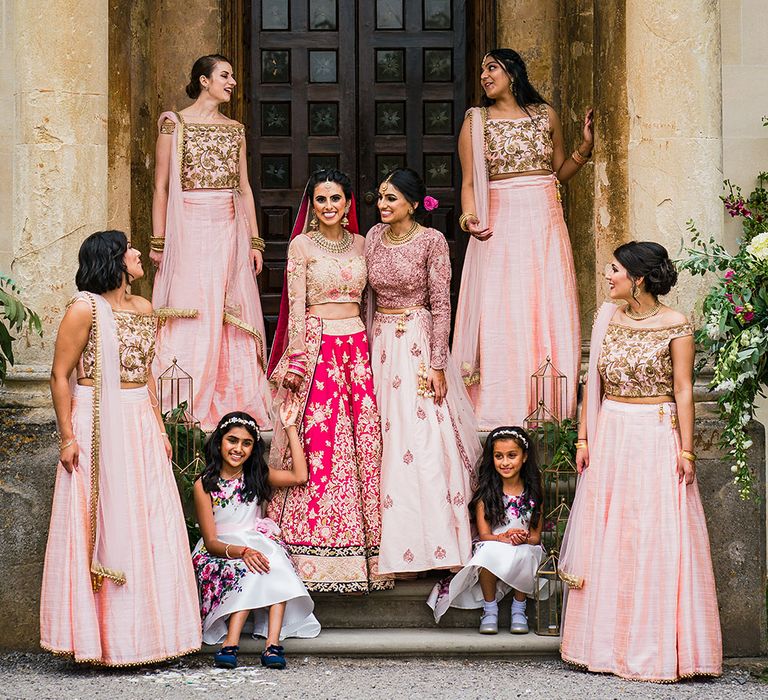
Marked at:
<point>512,433</point>
<point>241,421</point>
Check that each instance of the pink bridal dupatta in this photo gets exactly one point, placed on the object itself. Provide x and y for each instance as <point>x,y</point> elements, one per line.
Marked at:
<point>466,346</point>
<point>571,564</point>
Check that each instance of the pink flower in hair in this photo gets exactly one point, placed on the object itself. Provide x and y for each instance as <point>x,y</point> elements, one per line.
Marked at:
<point>430,203</point>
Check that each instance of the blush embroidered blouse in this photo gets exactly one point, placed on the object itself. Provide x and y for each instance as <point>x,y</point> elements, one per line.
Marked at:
<point>316,276</point>
<point>209,154</point>
<point>518,145</point>
<point>135,343</point>
<point>417,273</point>
<point>637,362</point>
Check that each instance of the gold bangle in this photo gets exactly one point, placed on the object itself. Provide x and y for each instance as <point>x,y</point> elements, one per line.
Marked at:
<point>257,243</point>
<point>226,551</point>
<point>580,444</point>
<point>65,445</point>
<point>157,241</point>
<point>690,456</point>
<point>578,158</point>
<point>464,218</point>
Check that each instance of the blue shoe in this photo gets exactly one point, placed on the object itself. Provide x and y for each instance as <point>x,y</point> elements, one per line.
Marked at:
<point>273,656</point>
<point>226,657</point>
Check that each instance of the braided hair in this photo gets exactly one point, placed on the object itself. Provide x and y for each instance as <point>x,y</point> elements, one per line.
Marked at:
<point>522,90</point>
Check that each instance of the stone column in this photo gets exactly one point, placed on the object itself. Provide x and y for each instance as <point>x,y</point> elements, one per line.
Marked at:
<point>674,154</point>
<point>59,148</point>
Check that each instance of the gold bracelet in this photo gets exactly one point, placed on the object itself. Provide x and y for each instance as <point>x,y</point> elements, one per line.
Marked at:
<point>578,158</point>
<point>257,243</point>
<point>464,218</point>
<point>65,445</point>
<point>157,242</point>
<point>580,444</point>
<point>226,551</point>
<point>690,456</point>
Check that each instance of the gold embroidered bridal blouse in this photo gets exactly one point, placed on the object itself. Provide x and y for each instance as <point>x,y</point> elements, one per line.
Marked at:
<point>637,362</point>
<point>518,145</point>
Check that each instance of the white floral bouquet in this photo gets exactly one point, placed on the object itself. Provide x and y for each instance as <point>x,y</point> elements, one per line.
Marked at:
<point>734,336</point>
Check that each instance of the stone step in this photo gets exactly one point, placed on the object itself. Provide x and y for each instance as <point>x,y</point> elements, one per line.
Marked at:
<point>409,642</point>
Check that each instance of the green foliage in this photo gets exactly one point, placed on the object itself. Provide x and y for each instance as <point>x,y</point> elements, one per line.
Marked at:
<point>556,443</point>
<point>14,316</point>
<point>187,440</point>
<point>734,337</point>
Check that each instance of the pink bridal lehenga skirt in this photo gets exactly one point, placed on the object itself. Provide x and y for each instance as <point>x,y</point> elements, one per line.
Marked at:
<point>637,538</point>
<point>429,452</point>
<point>525,284</point>
<point>155,615</point>
<point>224,359</point>
<point>332,525</point>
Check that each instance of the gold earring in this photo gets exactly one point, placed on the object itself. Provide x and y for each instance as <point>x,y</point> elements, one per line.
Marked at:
<point>345,221</point>
<point>410,211</point>
<point>314,224</point>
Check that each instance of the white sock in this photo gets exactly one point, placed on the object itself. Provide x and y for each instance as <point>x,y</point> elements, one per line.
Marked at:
<point>490,608</point>
<point>518,606</point>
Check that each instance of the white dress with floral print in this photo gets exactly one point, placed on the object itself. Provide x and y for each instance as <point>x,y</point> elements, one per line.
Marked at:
<point>514,565</point>
<point>227,586</point>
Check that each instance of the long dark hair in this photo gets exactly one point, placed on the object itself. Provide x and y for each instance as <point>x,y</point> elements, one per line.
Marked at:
<point>650,261</point>
<point>255,469</point>
<point>409,183</point>
<point>522,90</point>
<point>203,66</point>
<point>101,262</point>
<point>490,489</point>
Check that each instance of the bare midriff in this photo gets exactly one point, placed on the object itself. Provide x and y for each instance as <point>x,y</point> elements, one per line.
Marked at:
<point>641,399</point>
<point>334,312</point>
<point>382,310</point>
<point>507,176</point>
<point>123,385</point>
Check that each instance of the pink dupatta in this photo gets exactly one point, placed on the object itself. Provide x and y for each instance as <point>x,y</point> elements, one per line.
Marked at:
<point>108,484</point>
<point>466,345</point>
<point>571,563</point>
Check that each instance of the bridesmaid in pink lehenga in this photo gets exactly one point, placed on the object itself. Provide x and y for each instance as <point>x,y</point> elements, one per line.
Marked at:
<point>518,302</point>
<point>207,245</point>
<point>118,585</point>
<point>331,526</point>
<point>429,431</point>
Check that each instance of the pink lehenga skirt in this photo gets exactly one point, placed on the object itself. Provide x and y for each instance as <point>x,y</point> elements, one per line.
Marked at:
<point>332,525</point>
<point>155,615</point>
<point>429,452</point>
<point>525,285</point>
<point>224,356</point>
<point>637,541</point>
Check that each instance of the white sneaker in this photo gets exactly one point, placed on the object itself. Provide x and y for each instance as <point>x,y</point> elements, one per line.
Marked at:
<point>519,623</point>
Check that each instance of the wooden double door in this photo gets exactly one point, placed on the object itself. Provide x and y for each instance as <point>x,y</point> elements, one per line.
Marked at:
<point>364,86</point>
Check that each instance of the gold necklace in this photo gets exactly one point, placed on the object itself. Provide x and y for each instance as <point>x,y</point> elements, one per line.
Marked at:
<point>394,239</point>
<point>340,246</point>
<point>629,311</point>
<point>234,476</point>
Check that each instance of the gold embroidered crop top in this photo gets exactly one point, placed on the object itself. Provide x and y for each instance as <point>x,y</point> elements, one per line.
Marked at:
<point>136,347</point>
<point>518,145</point>
<point>316,276</point>
<point>637,362</point>
<point>209,155</point>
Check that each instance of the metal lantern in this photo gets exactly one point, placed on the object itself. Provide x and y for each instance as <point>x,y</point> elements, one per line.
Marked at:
<point>544,429</point>
<point>560,477</point>
<point>557,520</point>
<point>549,597</point>
<point>550,387</point>
<point>174,388</point>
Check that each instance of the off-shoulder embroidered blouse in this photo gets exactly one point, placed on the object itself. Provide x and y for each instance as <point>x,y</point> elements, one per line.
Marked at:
<point>316,276</point>
<point>417,273</point>
<point>210,155</point>
<point>518,145</point>
<point>136,347</point>
<point>637,362</point>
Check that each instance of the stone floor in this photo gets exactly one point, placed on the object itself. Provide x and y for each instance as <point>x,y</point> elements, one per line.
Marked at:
<point>40,677</point>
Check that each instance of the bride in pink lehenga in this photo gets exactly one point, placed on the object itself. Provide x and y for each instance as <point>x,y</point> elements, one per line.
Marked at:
<point>207,245</point>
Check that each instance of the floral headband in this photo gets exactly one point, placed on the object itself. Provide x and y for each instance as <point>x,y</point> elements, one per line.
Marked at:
<point>241,421</point>
<point>430,203</point>
<point>511,432</point>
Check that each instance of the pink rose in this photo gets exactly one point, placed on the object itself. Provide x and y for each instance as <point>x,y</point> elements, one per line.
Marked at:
<point>430,203</point>
<point>738,309</point>
<point>729,275</point>
<point>749,316</point>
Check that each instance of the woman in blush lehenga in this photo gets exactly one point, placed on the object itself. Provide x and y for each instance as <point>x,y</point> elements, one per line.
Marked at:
<point>208,248</point>
<point>518,284</point>
<point>428,428</point>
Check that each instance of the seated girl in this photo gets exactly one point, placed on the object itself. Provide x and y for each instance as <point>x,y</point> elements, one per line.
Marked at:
<point>240,562</point>
<point>507,508</point>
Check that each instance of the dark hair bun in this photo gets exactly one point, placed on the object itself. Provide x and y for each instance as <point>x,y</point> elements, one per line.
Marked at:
<point>650,261</point>
<point>203,66</point>
<point>410,184</point>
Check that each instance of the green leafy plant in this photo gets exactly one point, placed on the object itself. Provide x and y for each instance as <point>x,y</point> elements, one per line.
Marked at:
<point>14,316</point>
<point>734,336</point>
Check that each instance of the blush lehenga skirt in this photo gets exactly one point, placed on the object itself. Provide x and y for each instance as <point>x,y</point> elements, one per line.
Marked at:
<point>225,360</point>
<point>155,615</point>
<point>528,301</point>
<point>429,451</point>
<point>332,525</point>
<point>637,543</point>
